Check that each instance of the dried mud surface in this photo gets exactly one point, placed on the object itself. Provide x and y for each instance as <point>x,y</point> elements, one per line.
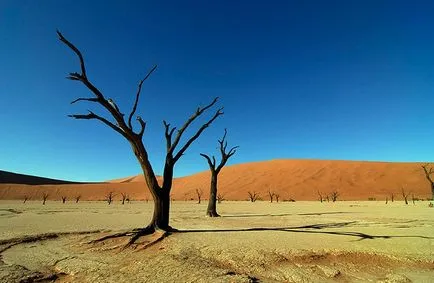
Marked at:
<point>251,242</point>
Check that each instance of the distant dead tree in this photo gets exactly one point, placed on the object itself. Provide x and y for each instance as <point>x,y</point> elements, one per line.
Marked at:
<point>392,197</point>
<point>404,195</point>
<point>215,170</point>
<point>44,197</point>
<point>321,198</point>
<point>220,198</point>
<point>77,198</point>
<point>63,199</point>
<point>387,200</point>
<point>109,197</point>
<point>25,198</point>
<point>429,171</point>
<point>334,196</point>
<point>123,125</point>
<point>277,196</point>
<point>253,196</point>
<point>199,193</point>
<point>124,197</point>
<point>327,198</point>
<point>271,195</point>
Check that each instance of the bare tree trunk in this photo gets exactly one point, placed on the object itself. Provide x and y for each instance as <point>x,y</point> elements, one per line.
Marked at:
<point>211,211</point>
<point>432,191</point>
<point>160,219</point>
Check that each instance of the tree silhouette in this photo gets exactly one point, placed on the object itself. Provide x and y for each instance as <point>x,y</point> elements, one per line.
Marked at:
<point>109,197</point>
<point>123,125</point>
<point>215,170</point>
<point>253,196</point>
<point>44,197</point>
<point>429,171</point>
<point>404,195</point>
<point>199,193</point>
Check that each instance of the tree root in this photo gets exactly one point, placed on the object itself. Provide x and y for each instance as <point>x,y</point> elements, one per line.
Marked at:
<point>135,234</point>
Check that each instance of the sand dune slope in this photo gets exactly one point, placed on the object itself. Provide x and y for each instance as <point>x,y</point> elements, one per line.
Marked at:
<point>296,179</point>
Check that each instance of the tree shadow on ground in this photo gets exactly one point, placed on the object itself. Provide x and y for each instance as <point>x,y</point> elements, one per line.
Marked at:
<point>312,229</point>
<point>285,214</point>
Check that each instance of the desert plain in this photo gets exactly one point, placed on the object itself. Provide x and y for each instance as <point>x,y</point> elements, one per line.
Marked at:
<point>304,241</point>
<point>358,238</point>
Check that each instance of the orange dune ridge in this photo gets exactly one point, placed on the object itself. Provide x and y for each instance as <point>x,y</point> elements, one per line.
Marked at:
<point>291,179</point>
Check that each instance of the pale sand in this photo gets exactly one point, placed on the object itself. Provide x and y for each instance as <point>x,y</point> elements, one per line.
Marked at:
<point>349,242</point>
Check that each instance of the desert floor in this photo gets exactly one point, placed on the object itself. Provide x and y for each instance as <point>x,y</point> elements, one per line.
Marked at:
<point>252,242</point>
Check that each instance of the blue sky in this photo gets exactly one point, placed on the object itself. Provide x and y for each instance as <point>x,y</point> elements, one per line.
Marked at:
<point>348,80</point>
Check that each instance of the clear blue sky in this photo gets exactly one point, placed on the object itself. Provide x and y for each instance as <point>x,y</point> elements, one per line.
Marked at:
<point>350,80</point>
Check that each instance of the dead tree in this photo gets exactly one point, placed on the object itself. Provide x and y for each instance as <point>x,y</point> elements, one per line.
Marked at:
<point>199,193</point>
<point>405,195</point>
<point>253,196</point>
<point>109,197</point>
<point>321,198</point>
<point>215,170</point>
<point>387,200</point>
<point>220,198</point>
<point>25,199</point>
<point>413,199</point>
<point>123,125</point>
<point>271,195</point>
<point>334,196</point>
<point>63,199</point>
<point>124,197</point>
<point>77,198</point>
<point>429,171</point>
<point>44,198</point>
<point>392,197</point>
<point>277,196</point>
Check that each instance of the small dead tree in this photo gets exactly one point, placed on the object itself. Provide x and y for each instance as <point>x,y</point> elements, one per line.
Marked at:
<point>429,172</point>
<point>328,198</point>
<point>277,196</point>
<point>44,197</point>
<point>334,196</point>
<point>124,197</point>
<point>413,199</point>
<point>109,197</point>
<point>253,196</point>
<point>25,198</point>
<point>392,197</point>
<point>271,195</point>
<point>387,200</point>
<point>63,199</point>
<point>215,170</point>
<point>199,193</point>
<point>220,198</point>
<point>77,198</point>
<point>123,125</point>
<point>321,198</point>
<point>405,195</point>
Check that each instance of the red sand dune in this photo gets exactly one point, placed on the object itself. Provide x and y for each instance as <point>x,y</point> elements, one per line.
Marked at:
<point>296,179</point>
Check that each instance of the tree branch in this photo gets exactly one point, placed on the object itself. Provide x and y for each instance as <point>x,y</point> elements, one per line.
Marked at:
<point>142,126</point>
<point>138,95</point>
<point>198,112</point>
<point>75,49</point>
<point>92,99</point>
<point>218,113</point>
<point>92,115</point>
<point>210,163</point>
